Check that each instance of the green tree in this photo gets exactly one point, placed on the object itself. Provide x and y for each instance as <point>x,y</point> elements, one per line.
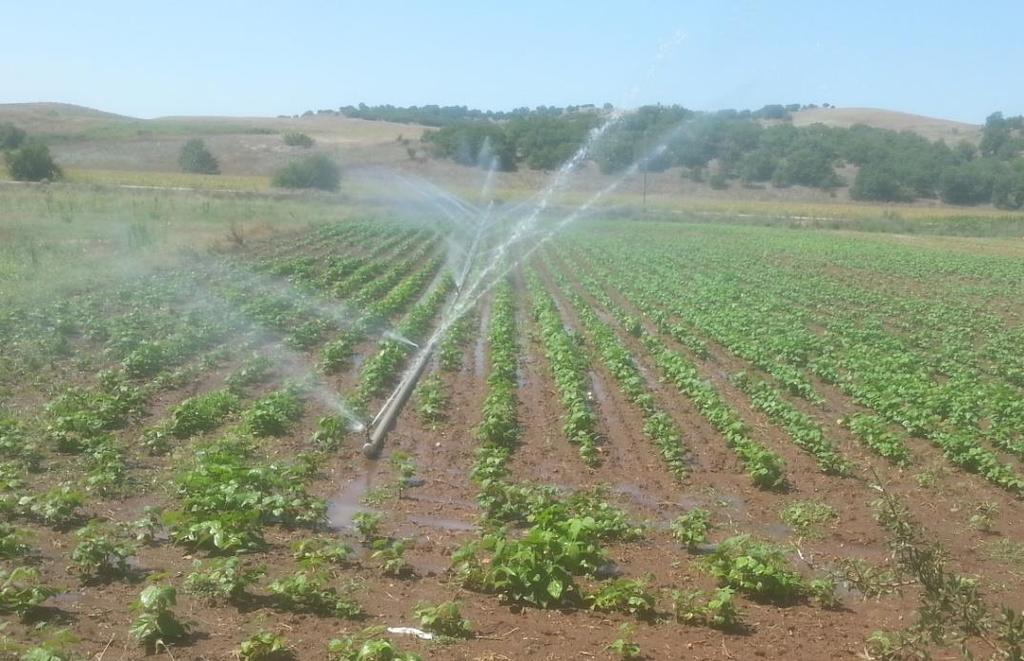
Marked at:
<point>878,181</point>
<point>196,158</point>
<point>32,162</point>
<point>11,136</point>
<point>314,171</point>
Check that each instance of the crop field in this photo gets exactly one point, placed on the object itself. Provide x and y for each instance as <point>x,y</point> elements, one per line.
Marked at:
<point>648,439</point>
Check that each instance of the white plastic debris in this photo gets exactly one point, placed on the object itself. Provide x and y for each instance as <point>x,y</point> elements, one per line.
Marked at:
<point>409,631</point>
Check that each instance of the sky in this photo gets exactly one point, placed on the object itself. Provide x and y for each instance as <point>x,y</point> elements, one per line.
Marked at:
<point>951,59</point>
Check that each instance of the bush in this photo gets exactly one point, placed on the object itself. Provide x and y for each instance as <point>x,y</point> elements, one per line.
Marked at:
<point>11,136</point>
<point>32,162</point>
<point>315,171</point>
<point>296,139</point>
<point>196,158</point>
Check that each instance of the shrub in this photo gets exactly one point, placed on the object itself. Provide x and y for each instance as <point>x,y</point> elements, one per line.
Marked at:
<point>32,162</point>
<point>314,171</point>
<point>196,158</point>
<point>297,139</point>
<point>11,136</point>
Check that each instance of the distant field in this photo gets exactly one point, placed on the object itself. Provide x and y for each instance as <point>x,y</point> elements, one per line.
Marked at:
<point>930,127</point>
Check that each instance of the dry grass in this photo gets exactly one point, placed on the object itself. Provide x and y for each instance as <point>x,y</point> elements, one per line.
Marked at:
<point>930,127</point>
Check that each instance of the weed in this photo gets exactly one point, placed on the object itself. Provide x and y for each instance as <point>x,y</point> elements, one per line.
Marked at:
<point>807,517</point>
<point>264,646</point>
<point>99,554</point>
<point>224,579</point>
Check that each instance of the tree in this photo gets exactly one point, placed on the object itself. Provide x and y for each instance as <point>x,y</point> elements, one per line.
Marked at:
<point>878,181</point>
<point>314,171</point>
<point>32,162</point>
<point>11,136</point>
<point>196,158</point>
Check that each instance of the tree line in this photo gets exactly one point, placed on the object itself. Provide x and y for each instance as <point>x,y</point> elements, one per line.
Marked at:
<point>731,146</point>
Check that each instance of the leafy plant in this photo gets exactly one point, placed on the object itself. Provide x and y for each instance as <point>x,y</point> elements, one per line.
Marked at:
<point>807,517</point>
<point>367,646</point>
<point>223,579</point>
<point>317,551</point>
<point>21,592</point>
<point>754,568</point>
<point>432,401</point>
<point>624,646</point>
<point>308,592</point>
<point>390,557</point>
<point>367,524</point>
<point>444,619</point>
<point>99,554</point>
<point>156,625</point>
<point>273,414</point>
<point>12,541</point>
<point>719,611</point>
<point>57,507</point>
<point>984,516</point>
<point>264,646</point>
<point>691,529</point>
<point>624,595</point>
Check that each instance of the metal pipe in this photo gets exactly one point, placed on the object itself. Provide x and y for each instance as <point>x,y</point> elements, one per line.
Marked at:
<point>385,420</point>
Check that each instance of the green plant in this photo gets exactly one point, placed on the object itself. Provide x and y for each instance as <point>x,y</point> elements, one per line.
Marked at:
<point>147,527</point>
<point>329,434</point>
<point>196,157</point>
<point>273,414</point>
<point>57,507</point>
<point>314,171</point>
<point>984,516</point>
<point>308,592</point>
<point>367,646</point>
<point>444,619</point>
<point>754,568</point>
<point>317,551</point>
<point>390,557</point>
<point>21,592</point>
<point>432,401</point>
<point>624,646</point>
<point>624,596</point>
<point>223,579</point>
<point>806,517</point>
<point>156,625</point>
<point>297,139</point>
<point>691,529</point>
<point>32,162</point>
<point>12,541</point>
<point>202,413</point>
<point>367,524</point>
<point>719,611</point>
<point>99,554</point>
<point>264,646</point>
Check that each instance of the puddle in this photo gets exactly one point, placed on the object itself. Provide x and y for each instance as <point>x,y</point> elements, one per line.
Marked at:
<point>597,390</point>
<point>66,599</point>
<point>343,507</point>
<point>443,524</point>
<point>636,493</point>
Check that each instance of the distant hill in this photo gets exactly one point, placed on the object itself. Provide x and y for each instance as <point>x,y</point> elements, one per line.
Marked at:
<point>932,128</point>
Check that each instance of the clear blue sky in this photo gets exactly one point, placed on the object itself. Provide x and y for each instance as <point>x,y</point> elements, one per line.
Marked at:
<point>954,59</point>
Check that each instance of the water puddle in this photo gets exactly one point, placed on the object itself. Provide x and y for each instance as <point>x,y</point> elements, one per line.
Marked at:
<point>342,508</point>
<point>636,493</point>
